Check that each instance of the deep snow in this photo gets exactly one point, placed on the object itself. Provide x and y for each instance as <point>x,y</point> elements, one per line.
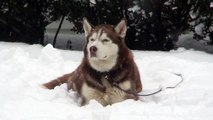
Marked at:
<point>24,67</point>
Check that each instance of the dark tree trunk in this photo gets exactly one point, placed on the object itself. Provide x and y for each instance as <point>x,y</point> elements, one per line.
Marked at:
<point>59,27</point>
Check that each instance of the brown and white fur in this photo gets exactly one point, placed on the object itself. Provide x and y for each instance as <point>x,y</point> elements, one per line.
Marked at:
<point>106,61</point>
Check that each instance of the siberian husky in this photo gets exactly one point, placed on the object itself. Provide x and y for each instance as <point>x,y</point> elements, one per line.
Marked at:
<point>107,71</point>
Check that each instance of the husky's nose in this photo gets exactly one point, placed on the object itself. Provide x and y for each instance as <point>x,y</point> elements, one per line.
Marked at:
<point>93,49</point>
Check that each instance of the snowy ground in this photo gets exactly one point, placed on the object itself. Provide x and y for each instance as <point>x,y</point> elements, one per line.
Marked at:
<point>24,67</point>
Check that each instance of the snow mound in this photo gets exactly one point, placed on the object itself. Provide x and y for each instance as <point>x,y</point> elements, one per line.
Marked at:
<point>23,68</point>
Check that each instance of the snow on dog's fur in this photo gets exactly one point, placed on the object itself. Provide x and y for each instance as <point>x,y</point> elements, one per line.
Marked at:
<point>107,61</point>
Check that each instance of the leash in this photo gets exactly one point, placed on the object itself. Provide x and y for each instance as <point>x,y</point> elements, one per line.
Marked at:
<point>153,93</point>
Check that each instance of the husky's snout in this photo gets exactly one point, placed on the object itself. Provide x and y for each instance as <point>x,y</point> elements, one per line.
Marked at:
<point>93,51</point>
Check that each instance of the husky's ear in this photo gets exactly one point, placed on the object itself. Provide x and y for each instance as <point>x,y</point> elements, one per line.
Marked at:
<point>87,26</point>
<point>121,28</point>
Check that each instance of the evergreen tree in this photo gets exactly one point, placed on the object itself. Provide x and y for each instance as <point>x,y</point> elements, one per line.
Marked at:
<point>25,20</point>
<point>97,12</point>
<point>146,29</point>
<point>201,22</point>
<point>159,23</point>
<point>152,24</point>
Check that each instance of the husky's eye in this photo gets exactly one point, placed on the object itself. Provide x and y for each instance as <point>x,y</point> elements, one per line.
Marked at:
<point>105,40</point>
<point>92,39</point>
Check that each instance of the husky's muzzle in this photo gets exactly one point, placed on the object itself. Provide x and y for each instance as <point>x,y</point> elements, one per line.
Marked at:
<point>93,51</point>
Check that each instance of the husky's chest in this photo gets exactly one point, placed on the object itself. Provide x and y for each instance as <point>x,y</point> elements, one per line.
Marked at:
<point>111,95</point>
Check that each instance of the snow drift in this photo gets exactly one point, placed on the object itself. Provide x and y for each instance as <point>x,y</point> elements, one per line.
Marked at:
<point>23,68</point>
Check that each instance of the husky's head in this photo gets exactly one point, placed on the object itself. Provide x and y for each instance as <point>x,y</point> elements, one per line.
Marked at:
<point>103,44</point>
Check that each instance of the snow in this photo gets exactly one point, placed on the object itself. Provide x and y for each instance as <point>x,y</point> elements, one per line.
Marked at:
<point>211,4</point>
<point>150,14</point>
<point>93,1</point>
<point>25,5</point>
<point>134,8</point>
<point>174,8</point>
<point>199,28</point>
<point>193,15</point>
<point>23,68</point>
<point>168,2</point>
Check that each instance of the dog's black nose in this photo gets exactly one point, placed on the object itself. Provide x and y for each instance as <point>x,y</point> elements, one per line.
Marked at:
<point>93,49</point>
